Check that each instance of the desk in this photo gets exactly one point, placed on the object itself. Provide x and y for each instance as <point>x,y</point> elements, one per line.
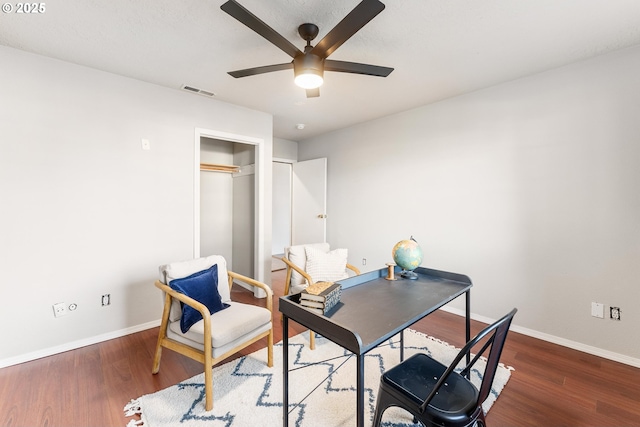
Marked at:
<point>371,311</point>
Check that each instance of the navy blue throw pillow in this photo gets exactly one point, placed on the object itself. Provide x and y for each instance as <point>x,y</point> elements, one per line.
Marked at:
<point>202,287</point>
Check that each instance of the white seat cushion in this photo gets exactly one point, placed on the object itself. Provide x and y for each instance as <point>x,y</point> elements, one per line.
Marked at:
<point>227,325</point>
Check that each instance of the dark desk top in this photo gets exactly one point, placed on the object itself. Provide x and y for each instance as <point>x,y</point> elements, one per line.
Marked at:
<point>373,309</point>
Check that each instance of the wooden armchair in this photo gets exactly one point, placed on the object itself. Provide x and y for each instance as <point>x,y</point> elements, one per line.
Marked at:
<point>215,336</point>
<point>311,263</point>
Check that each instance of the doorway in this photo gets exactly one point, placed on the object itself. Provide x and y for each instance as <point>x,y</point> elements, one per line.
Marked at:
<point>253,265</point>
<point>299,205</point>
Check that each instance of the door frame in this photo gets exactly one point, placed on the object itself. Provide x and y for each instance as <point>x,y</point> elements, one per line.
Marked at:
<point>289,162</point>
<point>259,233</point>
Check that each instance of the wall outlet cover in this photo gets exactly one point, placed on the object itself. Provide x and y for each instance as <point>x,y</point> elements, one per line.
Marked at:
<point>597,310</point>
<point>59,309</point>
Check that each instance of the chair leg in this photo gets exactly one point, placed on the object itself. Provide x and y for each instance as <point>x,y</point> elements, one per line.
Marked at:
<point>208,371</point>
<point>162,334</point>
<point>381,406</point>
<point>156,359</point>
<point>270,349</point>
<point>377,417</point>
<point>382,403</point>
<point>312,340</point>
<point>386,400</point>
<point>480,421</point>
<point>208,387</point>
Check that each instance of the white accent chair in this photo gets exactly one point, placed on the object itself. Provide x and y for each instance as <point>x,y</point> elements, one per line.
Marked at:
<point>311,263</point>
<point>216,336</point>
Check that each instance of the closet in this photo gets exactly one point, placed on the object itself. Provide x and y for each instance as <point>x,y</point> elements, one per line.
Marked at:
<point>227,202</point>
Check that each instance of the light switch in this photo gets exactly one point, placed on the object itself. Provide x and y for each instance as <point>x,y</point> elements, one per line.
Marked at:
<point>146,145</point>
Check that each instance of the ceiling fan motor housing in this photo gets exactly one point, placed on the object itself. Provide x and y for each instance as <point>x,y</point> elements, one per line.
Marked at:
<point>306,62</point>
<point>308,69</point>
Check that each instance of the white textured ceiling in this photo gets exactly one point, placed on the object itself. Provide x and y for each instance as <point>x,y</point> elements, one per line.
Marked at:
<point>439,48</point>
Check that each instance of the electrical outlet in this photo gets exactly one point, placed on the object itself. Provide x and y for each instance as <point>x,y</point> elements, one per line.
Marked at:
<point>106,299</point>
<point>614,312</point>
<point>59,309</point>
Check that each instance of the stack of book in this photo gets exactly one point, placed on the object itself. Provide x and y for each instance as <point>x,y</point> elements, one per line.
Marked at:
<point>321,297</point>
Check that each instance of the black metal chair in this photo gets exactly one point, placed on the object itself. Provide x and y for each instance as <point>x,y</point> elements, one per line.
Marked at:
<point>437,395</point>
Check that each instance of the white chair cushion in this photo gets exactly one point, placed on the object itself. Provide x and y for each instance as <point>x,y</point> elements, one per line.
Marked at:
<point>238,320</point>
<point>178,270</point>
<point>297,255</point>
<point>326,267</point>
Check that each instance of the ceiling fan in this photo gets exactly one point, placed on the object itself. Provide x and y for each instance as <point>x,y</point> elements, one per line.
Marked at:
<point>309,66</point>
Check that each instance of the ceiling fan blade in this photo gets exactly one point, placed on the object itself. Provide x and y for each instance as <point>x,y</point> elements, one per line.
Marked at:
<point>260,70</point>
<point>313,93</point>
<point>356,68</point>
<point>356,19</point>
<point>238,11</point>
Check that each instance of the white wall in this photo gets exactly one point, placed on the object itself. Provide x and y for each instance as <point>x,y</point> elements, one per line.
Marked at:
<point>285,150</point>
<point>530,187</point>
<point>85,211</point>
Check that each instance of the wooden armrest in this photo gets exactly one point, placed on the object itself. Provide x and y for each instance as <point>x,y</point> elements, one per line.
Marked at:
<point>304,274</point>
<point>354,269</point>
<point>204,311</point>
<point>298,269</point>
<point>183,298</point>
<point>248,280</point>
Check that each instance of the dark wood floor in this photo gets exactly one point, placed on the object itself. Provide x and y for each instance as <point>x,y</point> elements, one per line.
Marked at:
<point>551,385</point>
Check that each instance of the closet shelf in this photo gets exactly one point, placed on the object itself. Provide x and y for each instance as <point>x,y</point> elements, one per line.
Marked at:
<point>219,168</point>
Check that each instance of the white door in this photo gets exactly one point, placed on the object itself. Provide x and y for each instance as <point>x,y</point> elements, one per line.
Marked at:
<point>309,202</point>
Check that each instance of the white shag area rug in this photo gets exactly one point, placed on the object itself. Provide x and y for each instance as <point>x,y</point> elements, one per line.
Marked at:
<point>321,388</point>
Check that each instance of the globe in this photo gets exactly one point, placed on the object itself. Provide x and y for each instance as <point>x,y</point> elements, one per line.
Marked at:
<point>407,254</point>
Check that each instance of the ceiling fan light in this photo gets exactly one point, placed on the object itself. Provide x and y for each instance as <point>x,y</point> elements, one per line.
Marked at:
<point>309,79</point>
<point>308,70</point>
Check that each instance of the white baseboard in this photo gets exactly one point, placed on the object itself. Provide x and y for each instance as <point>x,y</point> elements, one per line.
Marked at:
<point>610,355</point>
<point>617,357</point>
<point>76,344</point>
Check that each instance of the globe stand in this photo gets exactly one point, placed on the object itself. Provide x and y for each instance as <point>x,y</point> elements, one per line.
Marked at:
<point>407,274</point>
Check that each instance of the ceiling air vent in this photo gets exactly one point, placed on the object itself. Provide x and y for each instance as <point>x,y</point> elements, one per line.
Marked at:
<point>198,91</point>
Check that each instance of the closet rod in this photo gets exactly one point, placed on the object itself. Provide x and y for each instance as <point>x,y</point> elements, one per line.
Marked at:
<point>219,168</point>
